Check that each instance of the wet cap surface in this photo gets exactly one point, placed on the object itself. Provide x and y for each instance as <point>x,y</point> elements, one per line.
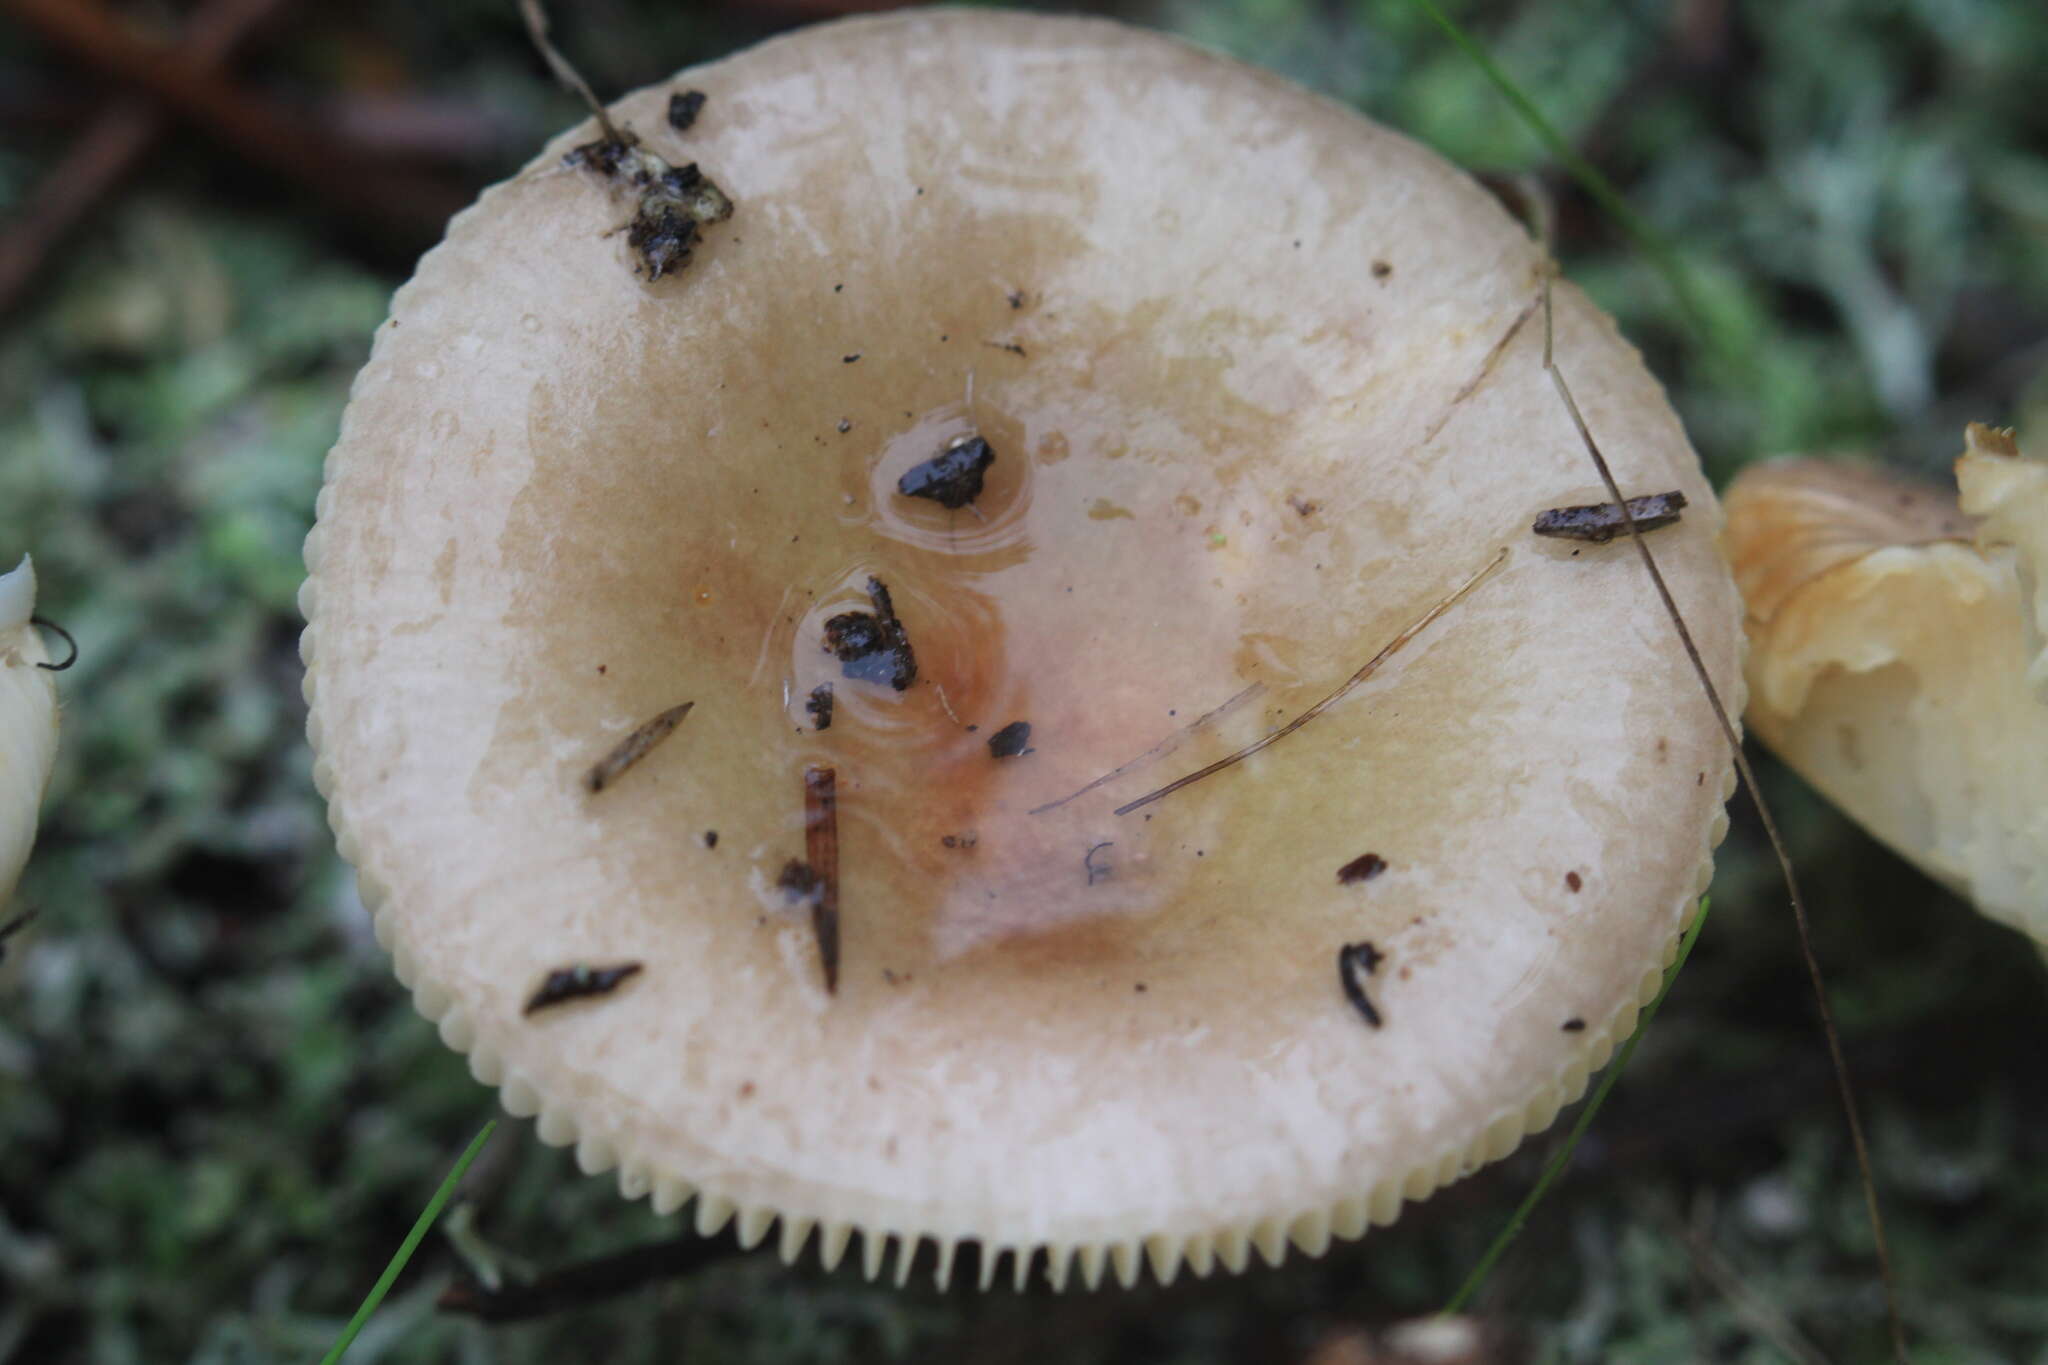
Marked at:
<point>566,499</point>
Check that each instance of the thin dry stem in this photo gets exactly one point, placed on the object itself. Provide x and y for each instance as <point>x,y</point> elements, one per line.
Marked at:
<point>1770,824</point>
<point>1413,629</point>
<point>572,80</point>
<point>1161,749</point>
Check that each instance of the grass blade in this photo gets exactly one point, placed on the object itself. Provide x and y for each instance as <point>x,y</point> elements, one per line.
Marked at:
<point>1562,1157</point>
<point>407,1247</point>
<point>1645,237</point>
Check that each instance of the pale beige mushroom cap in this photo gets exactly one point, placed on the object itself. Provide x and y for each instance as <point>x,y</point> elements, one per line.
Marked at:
<point>1263,381</point>
<point>1895,658</point>
<point>28,723</point>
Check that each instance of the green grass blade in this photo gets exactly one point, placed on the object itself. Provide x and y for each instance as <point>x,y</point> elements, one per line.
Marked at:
<point>1646,238</point>
<point>407,1247</point>
<point>1555,1167</point>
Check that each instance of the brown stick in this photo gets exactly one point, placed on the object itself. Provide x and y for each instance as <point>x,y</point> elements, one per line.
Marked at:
<point>117,137</point>
<point>821,851</point>
<point>257,129</point>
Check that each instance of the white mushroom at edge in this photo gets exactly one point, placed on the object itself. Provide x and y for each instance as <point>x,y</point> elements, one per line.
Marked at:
<point>28,723</point>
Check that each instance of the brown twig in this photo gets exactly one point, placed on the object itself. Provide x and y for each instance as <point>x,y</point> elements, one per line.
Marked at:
<point>821,851</point>
<point>257,129</point>
<point>110,146</point>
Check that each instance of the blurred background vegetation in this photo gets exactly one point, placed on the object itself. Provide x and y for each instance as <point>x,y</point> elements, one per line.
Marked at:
<point>218,1112</point>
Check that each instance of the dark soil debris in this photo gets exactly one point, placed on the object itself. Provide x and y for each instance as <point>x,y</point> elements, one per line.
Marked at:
<point>1011,741</point>
<point>820,706</point>
<point>872,646</point>
<point>683,108</point>
<point>797,881</point>
<point>675,203</point>
<point>1363,868</point>
<point>579,982</point>
<point>953,477</point>
<point>1601,522</point>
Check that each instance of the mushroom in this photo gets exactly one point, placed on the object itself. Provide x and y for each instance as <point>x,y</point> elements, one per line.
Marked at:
<point>1261,386</point>
<point>28,722</point>
<point>1896,657</point>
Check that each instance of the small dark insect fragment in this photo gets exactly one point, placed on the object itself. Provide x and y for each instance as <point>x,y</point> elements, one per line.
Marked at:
<point>1575,1025</point>
<point>1097,872</point>
<point>635,747</point>
<point>711,838</point>
<point>1363,868</point>
<point>683,108</point>
<point>798,880</point>
<point>1600,522</point>
<point>1573,881</point>
<point>13,927</point>
<point>577,982</point>
<point>820,706</point>
<point>1355,962</point>
<point>872,646</point>
<point>47,624</point>
<point>952,478</point>
<point>1380,270</point>
<point>1011,740</point>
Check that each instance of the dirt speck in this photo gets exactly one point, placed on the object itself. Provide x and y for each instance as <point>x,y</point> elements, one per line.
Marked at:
<point>1363,868</point>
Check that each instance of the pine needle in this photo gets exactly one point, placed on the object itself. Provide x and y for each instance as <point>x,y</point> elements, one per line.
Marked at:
<point>407,1247</point>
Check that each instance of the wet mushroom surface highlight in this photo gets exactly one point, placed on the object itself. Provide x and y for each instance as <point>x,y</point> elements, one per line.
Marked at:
<point>1128,286</point>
